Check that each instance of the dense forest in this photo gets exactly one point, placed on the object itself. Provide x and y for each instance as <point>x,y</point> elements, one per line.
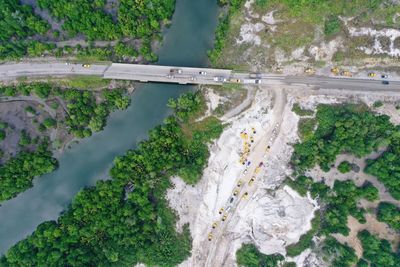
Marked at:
<point>356,130</point>
<point>342,129</point>
<point>134,20</point>
<point>387,167</point>
<point>126,219</point>
<point>17,23</point>
<point>16,174</point>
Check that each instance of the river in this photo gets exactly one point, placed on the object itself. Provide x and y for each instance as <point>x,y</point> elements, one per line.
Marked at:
<point>185,44</point>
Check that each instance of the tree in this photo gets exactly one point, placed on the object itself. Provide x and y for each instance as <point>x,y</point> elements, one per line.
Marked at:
<point>49,123</point>
<point>390,214</point>
<point>249,256</point>
<point>344,167</point>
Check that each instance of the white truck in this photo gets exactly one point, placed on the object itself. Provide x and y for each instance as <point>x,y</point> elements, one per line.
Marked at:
<point>251,81</point>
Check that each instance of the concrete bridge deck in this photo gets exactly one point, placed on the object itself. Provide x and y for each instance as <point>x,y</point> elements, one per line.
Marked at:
<point>156,73</point>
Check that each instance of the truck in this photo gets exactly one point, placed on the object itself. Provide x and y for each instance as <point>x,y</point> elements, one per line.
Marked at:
<point>252,81</point>
<point>175,71</point>
<point>255,75</point>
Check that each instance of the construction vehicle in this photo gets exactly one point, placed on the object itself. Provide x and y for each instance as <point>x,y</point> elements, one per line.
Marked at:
<point>224,217</point>
<point>236,192</point>
<point>372,74</point>
<point>245,195</point>
<point>234,80</point>
<point>310,71</point>
<point>210,236</point>
<point>214,225</point>
<point>257,170</point>
<point>221,211</point>
<point>345,73</point>
<point>251,81</point>
<point>335,70</point>
<point>86,66</point>
<point>254,130</point>
<point>252,180</point>
<point>239,184</point>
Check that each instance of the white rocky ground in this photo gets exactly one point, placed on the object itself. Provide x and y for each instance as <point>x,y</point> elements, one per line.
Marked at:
<point>273,218</point>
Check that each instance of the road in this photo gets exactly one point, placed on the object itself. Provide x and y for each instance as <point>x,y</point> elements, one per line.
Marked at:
<point>13,71</point>
<point>153,73</point>
<point>217,251</point>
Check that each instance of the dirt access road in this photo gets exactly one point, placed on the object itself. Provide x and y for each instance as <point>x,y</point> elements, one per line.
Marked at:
<point>216,251</point>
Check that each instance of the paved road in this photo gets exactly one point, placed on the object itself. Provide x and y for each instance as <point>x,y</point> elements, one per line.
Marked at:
<point>12,71</point>
<point>153,73</point>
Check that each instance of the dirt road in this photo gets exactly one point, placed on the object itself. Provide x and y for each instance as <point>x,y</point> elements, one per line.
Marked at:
<point>217,250</point>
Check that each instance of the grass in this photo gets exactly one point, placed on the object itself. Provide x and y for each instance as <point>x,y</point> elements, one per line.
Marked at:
<point>306,128</point>
<point>78,81</point>
<point>300,111</point>
<point>84,82</point>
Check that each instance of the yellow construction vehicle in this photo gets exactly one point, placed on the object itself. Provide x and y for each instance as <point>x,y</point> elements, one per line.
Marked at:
<point>86,66</point>
<point>234,80</point>
<point>236,192</point>
<point>245,195</point>
<point>257,170</point>
<point>345,73</point>
<point>335,70</point>
<point>239,184</point>
<point>210,236</point>
<point>310,71</point>
<point>221,211</point>
<point>372,74</point>
<point>224,217</point>
<point>214,225</point>
<point>252,180</point>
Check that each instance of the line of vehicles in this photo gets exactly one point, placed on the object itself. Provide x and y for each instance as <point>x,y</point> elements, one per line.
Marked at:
<point>254,78</point>
<point>336,71</point>
<point>248,139</point>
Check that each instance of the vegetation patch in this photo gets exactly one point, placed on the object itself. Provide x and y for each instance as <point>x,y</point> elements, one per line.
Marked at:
<point>378,252</point>
<point>346,128</point>
<point>390,214</point>
<point>344,167</point>
<point>387,167</point>
<point>306,128</point>
<point>134,20</point>
<point>249,256</point>
<point>301,111</point>
<point>305,240</point>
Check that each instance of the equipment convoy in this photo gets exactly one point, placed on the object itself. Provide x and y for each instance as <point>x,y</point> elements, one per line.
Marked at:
<point>240,184</point>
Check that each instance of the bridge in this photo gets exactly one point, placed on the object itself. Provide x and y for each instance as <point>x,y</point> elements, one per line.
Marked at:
<point>190,75</point>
